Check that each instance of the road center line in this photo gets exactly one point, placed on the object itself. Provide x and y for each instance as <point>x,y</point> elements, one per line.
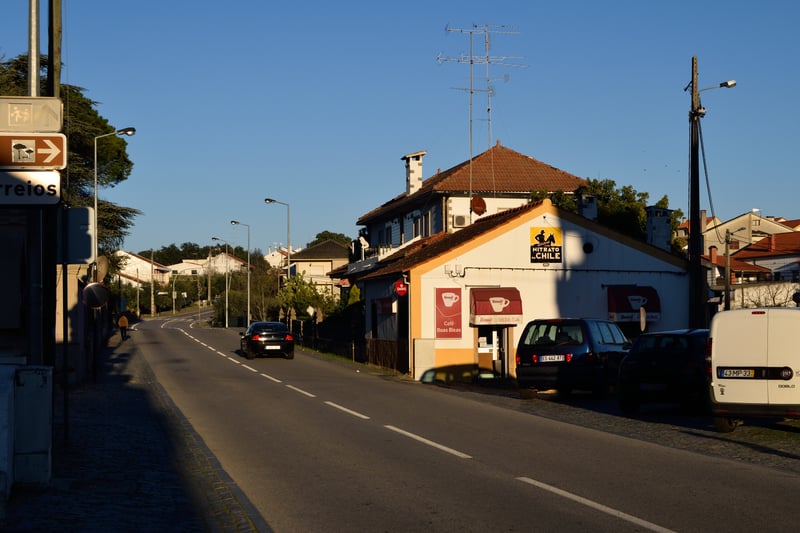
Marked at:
<point>429,442</point>
<point>348,411</point>
<point>250,368</point>
<point>276,380</point>
<point>594,505</point>
<point>301,391</point>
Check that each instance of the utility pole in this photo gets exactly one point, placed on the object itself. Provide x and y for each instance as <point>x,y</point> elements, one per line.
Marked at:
<point>697,285</point>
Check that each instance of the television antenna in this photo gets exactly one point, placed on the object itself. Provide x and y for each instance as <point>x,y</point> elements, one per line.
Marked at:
<point>486,30</point>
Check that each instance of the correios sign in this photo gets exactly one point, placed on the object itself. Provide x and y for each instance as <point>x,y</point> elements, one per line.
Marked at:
<point>30,188</point>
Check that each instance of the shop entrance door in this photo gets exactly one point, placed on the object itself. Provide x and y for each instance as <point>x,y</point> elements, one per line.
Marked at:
<point>492,341</point>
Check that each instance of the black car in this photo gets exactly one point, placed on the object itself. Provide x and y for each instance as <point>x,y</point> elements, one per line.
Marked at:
<point>267,339</point>
<point>668,366</point>
<point>570,353</point>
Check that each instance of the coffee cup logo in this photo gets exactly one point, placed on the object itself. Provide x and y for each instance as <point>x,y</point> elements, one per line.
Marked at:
<point>499,303</point>
<point>450,298</point>
<point>636,301</point>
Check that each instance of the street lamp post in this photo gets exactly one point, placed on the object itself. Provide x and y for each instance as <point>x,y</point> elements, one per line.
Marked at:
<point>227,288</point>
<point>237,223</point>
<point>697,283</point>
<point>288,234</point>
<point>123,131</point>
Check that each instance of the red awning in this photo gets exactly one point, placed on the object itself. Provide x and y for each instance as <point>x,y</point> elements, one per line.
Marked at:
<point>495,305</point>
<point>624,302</point>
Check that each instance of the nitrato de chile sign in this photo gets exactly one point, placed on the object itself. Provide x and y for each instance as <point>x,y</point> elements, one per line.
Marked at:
<point>546,245</point>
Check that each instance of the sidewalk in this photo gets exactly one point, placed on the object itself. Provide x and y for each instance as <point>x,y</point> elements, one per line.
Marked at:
<point>127,461</point>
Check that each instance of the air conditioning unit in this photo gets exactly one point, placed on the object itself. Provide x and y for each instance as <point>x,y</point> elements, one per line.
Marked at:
<point>460,221</point>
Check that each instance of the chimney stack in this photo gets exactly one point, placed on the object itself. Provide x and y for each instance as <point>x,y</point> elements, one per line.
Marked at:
<point>413,171</point>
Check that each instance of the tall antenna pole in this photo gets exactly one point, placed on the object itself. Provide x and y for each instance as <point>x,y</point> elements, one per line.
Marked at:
<point>471,59</point>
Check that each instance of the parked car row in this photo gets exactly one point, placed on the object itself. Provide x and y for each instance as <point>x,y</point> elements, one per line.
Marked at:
<point>595,355</point>
<point>745,365</point>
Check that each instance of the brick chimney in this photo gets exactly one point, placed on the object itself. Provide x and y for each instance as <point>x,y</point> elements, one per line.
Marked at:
<point>712,253</point>
<point>413,171</point>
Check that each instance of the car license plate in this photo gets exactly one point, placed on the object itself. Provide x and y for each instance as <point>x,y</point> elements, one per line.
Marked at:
<point>272,347</point>
<point>551,358</point>
<point>736,372</point>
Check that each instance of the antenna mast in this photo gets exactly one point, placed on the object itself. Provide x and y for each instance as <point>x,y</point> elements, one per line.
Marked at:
<point>487,60</point>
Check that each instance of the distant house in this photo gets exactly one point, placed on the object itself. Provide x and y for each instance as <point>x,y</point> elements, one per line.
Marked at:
<point>139,270</point>
<point>765,273</point>
<point>319,260</point>
<point>744,229</point>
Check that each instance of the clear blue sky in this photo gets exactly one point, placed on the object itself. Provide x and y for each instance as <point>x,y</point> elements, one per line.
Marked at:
<point>314,103</point>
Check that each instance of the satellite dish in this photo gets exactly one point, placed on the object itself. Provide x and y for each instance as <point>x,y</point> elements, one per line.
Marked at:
<point>96,295</point>
<point>478,205</point>
<point>102,267</point>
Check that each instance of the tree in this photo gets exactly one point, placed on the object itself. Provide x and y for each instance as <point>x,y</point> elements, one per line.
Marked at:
<point>82,123</point>
<point>622,209</point>
<point>330,236</point>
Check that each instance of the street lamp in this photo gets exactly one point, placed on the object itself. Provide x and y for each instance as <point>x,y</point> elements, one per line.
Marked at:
<point>123,131</point>
<point>697,285</point>
<point>288,234</point>
<point>237,223</point>
<point>728,266</point>
<point>227,288</point>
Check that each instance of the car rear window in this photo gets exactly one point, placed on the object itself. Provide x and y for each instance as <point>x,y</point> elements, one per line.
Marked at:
<point>270,328</point>
<point>550,333</point>
<point>662,343</point>
<point>607,332</point>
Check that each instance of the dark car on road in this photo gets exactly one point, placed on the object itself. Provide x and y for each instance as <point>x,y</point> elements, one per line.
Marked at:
<point>570,353</point>
<point>666,367</point>
<point>267,339</point>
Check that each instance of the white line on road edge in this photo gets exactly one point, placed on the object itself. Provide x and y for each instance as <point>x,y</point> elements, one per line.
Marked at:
<point>429,442</point>
<point>276,380</point>
<point>348,411</point>
<point>301,391</point>
<point>594,505</point>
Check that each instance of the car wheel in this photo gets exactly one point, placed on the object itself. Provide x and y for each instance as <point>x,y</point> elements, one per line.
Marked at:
<point>290,355</point>
<point>629,403</point>
<point>725,424</point>
<point>250,355</point>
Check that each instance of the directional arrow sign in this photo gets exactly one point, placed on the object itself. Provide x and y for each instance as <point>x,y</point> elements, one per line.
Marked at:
<point>33,151</point>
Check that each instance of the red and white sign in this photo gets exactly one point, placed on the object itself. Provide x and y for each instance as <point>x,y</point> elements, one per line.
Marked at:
<point>33,151</point>
<point>400,287</point>
<point>448,313</point>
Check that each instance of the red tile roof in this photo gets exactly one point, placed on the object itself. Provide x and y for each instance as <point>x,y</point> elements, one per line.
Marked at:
<point>502,169</point>
<point>779,244</point>
<point>497,170</point>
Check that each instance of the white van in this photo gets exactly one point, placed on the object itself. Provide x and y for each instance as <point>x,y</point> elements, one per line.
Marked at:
<point>754,357</point>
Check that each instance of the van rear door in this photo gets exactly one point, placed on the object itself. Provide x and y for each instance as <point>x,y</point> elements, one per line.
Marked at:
<point>739,356</point>
<point>784,356</point>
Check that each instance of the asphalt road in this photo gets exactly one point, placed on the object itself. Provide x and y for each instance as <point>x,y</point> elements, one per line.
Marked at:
<point>324,445</point>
